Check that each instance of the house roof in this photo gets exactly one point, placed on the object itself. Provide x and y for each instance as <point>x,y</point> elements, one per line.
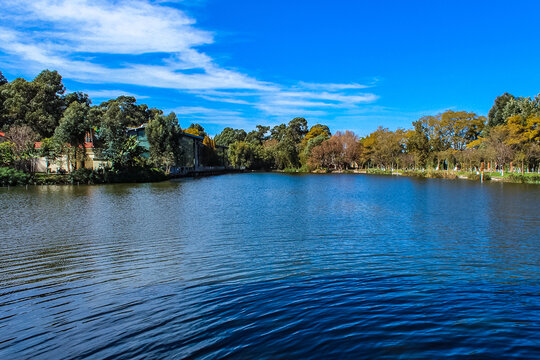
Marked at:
<point>192,136</point>
<point>87,145</point>
<point>2,134</point>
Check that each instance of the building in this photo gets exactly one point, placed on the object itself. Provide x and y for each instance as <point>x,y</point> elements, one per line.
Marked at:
<point>191,145</point>
<point>192,158</point>
<point>91,159</point>
<point>140,134</point>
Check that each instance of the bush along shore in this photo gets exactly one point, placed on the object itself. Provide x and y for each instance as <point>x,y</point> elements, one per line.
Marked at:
<point>526,178</point>
<point>12,177</point>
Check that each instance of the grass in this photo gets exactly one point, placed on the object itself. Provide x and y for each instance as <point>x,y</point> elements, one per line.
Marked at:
<point>526,178</point>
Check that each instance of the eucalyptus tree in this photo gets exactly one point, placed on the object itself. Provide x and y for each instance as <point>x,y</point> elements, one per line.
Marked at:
<point>495,114</point>
<point>72,130</point>
<point>111,120</point>
<point>229,136</point>
<point>163,133</point>
<point>38,104</point>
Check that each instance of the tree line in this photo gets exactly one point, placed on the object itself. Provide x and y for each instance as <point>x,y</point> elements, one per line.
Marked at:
<point>42,111</point>
<point>509,138</point>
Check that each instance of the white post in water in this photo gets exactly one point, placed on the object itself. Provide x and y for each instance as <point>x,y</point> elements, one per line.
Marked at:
<point>482,172</point>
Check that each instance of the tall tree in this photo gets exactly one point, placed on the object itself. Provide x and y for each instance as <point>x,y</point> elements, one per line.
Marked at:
<point>38,104</point>
<point>47,103</point>
<point>495,114</point>
<point>230,135</point>
<point>163,133</point>
<point>258,136</point>
<point>418,143</point>
<point>17,96</point>
<point>111,119</point>
<point>77,96</point>
<point>72,130</point>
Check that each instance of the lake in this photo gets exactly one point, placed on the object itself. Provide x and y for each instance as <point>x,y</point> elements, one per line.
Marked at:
<point>265,266</point>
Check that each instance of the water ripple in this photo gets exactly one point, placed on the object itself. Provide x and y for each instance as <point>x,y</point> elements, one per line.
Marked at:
<point>271,266</point>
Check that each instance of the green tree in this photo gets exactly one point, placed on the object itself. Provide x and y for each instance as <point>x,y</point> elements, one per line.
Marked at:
<point>38,104</point>
<point>72,130</point>
<point>163,133</point>
<point>317,130</point>
<point>47,103</point>
<point>7,153</point>
<point>111,120</point>
<point>495,114</point>
<point>418,143</point>
<point>51,150</point>
<point>243,154</point>
<point>229,136</point>
<point>17,96</point>
<point>128,155</point>
<point>278,132</point>
<point>77,96</point>
<point>258,136</point>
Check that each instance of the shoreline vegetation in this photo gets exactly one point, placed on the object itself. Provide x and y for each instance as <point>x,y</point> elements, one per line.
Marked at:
<point>48,136</point>
<point>527,178</point>
<point>88,177</point>
<point>19,178</point>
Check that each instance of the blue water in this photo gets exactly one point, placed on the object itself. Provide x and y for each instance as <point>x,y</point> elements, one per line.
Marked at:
<point>271,266</point>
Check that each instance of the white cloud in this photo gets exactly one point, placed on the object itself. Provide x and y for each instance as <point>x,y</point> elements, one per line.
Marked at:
<point>126,27</point>
<point>80,27</point>
<point>199,110</point>
<point>111,94</point>
<point>332,87</point>
<point>151,44</point>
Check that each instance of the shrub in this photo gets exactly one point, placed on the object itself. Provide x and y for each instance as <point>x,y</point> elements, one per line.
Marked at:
<point>524,178</point>
<point>136,174</point>
<point>378,172</point>
<point>85,176</point>
<point>13,177</point>
<point>478,177</point>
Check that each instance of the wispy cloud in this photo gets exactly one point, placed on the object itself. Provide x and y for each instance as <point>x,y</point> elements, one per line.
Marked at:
<point>199,110</point>
<point>74,36</point>
<point>79,30</point>
<point>332,87</point>
<point>109,94</point>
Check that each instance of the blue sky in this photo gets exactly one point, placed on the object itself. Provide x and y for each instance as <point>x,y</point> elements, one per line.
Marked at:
<point>348,64</point>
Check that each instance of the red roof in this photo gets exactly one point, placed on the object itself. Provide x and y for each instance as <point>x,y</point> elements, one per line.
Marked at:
<point>2,134</point>
<point>87,145</point>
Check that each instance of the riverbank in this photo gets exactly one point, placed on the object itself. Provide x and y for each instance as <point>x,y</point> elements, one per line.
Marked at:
<point>12,177</point>
<point>526,178</point>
